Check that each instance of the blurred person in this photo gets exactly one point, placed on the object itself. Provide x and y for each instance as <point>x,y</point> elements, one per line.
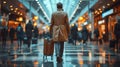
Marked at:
<point>100,38</point>
<point>29,28</point>
<point>59,30</point>
<point>5,18</point>
<point>20,35</point>
<point>35,35</point>
<point>90,35</point>
<point>117,33</point>
<point>35,32</point>
<point>12,34</point>
<point>74,33</point>
<point>0,34</point>
<point>70,40</point>
<point>4,34</point>
<point>84,35</point>
<point>79,38</point>
<point>96,33</point>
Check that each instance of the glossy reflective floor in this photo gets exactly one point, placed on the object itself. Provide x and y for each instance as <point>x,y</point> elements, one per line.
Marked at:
<point>90,55</point>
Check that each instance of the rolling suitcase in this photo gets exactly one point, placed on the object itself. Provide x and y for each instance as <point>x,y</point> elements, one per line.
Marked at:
<point>48,48</point>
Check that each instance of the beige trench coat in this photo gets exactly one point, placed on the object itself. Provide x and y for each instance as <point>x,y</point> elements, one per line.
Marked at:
<point>59,18</point>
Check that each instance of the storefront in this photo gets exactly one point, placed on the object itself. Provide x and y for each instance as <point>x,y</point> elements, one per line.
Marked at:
<point>106,22</point>
<point>112,20</point>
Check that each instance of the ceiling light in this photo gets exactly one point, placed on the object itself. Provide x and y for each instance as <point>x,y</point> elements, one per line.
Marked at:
<point>103,6</point>
<point>4,2</point>
<point>99,9</point>
<point>21,14</point>
<point>15,11</point>
<point>80,0</point>
<point>16,8</point>
<point>96,11</point>
<point>18,12</point>
<point>37,2</point>
<point>11,9</point>
<point>113,0</point>
<point>36,17</point>
<point>17,19</point>
<point>35,23</point>
<point>20,19</point>
<point>108,4</point>
<point>11,6</point>
<point>81,18</point>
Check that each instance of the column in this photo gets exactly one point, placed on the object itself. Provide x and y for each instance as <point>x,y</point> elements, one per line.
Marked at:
<point>28,13</point>
<point>91,19</point>
<point>92,23</point>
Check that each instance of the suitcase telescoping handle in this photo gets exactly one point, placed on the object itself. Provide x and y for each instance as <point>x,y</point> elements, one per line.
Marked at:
<point>48,39</point>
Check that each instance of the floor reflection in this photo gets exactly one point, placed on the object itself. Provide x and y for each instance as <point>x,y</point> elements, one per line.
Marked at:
<point>59,64</point>
<point>74,56</point>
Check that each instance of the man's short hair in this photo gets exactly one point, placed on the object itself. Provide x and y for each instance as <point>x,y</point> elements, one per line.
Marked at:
<point>59,5</point>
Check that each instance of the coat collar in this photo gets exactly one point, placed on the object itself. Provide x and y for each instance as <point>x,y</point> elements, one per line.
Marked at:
<point>59,9</point>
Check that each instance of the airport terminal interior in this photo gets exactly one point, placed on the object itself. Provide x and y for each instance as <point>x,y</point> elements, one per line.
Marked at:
<point>99,47</point>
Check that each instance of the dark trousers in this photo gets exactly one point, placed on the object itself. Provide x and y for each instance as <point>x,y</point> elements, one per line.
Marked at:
<point>3,42</point>
<point>74,41</point>
<point>84,42</point>
<point>97,40</point>
<point>59,48</point>
<point>29,41</point>
<point>11,39</point>
<point>19,43</point>
<point>117,44</point>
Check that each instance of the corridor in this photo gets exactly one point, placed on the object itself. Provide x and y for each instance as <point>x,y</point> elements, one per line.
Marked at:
<point>73,20</point>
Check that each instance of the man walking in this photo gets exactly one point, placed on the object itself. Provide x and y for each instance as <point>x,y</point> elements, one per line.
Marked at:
<point>60,30</point>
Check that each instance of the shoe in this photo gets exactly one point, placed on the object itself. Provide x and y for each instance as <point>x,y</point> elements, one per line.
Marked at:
<point>59,59</point>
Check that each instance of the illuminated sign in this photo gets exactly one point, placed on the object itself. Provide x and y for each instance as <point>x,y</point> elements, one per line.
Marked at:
<point>100,22</point>
<point>107,13</point>
<point>85,23</point>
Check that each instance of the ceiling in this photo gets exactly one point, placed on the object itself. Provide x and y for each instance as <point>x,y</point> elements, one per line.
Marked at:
<point>44,8</point>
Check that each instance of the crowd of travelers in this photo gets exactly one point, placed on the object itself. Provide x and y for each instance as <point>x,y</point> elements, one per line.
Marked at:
<point>18,34</point>
<point>84,35</point>
<point>74,36</point>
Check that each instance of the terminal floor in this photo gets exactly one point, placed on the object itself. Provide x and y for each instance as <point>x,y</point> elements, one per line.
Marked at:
<point>90,55</point>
